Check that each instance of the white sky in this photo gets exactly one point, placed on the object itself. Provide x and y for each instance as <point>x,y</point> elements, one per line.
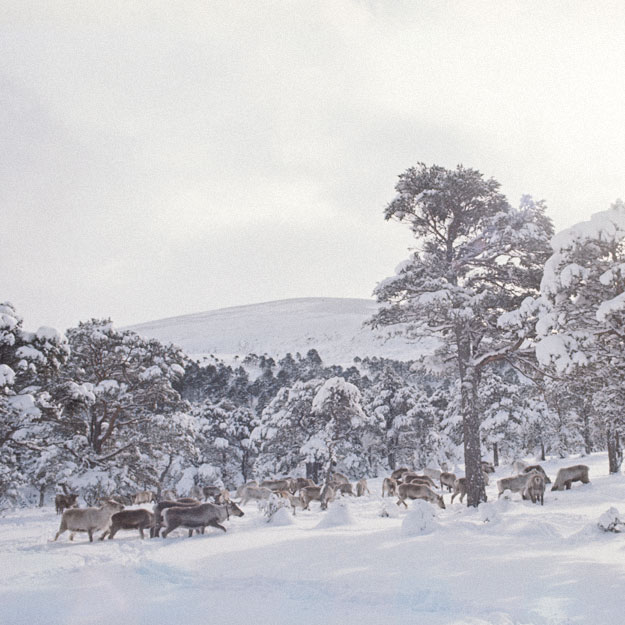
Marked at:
<point>163,158</point>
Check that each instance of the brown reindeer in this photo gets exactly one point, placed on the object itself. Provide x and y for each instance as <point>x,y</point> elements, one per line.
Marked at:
<point>409,478</point>
<point>389,486</point>
<point>343,488</point>
<point>567,475</point>
<point>448,480</point>
<point>418,491</point>
<point>275,485</point>
<point>88,519</point>
<point>198,517</point>
<point>397,473</point>
<point>144,496</point>
<point>129,520</point>
<point>164,505</point>
<point>302,482</point>
<point>362,488</point>
<point>61,502</point>
<point>537,467</point>
<point>535,488</point>
<point>515,484</point>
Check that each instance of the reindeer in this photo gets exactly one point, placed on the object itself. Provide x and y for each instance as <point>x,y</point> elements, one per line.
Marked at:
<point>327,495</point>
<point>414,478</point>
<point>61,502</point>
<point>302,482</point>
<point>567,475</point>
<point>389,486</point>
<point>339,478</point>
<point>460,486</point>
<point>397,473</point>
<point>128,520</point>
<point>535,488</point>
<point>259,493</point>
<point>343,488</point>
<point>515,484</point>
<point>144,496</point>
<point>448,480</point>
<point>518,466</point>
<point>362,488</point>
<point>434,474</point>
<point>164,505</point>
<point>211,491</point>
<point>88,519</point>
<point>275,485</point>
<point>418,491</point>
<point>294,500</point>
<point>537,467</point>
<point>308,494</point>
<point>241,489</point>
<point>198,517</point>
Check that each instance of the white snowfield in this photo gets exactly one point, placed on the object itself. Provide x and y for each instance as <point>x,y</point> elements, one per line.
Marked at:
<point>332,326</point>
<point>508,562</point>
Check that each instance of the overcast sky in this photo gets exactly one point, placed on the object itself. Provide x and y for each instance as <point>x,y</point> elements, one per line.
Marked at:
<point>164,158</point>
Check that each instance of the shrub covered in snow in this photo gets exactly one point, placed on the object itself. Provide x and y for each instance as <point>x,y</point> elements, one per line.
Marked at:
<point>611,521</point>
<point>270,507</point>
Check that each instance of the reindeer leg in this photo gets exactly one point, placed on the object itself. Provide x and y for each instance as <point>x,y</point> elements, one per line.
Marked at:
<point>214,523</point>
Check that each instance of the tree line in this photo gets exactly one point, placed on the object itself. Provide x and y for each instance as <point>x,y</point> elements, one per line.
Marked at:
<point>528,335</point>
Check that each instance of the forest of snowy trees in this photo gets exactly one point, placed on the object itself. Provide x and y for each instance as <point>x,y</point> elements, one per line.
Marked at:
<point>530,333</point>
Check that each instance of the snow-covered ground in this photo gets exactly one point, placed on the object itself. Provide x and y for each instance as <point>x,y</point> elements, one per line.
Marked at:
<point>509,562</point>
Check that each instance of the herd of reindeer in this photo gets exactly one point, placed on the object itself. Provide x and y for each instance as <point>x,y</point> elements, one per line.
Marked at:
<point>190,512</point>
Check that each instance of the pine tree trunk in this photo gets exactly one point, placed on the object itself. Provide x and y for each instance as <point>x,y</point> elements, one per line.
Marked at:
<point>496,454</point>
<point>392,463</point>
<point>476,491</point>
<point>312,471</point>
<point>586,434</point>
<point>542,451</point>
<point>42,493</point>
<point>615,452</point>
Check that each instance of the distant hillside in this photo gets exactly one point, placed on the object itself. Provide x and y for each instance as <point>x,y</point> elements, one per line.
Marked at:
<point>332,326</point>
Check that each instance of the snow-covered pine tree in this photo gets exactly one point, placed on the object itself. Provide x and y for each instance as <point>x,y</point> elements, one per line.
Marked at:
<point>581,323</point>
<point>29,365</point>
<point>476,257</point>
<point>286,424</point>
<point>339,427</point>
<point>225,439</point>
<point>113,386</point>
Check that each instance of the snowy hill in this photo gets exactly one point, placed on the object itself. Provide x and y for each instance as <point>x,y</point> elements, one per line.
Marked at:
<point>332,326</point>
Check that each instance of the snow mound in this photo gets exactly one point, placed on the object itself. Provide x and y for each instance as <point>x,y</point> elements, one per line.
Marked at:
<point>280,518</point>
<point>488,511</point>
<point>611,521</point>
<point>389,510</point>
<point>533,528</point>
<point>421,519</point>
<point>338,515</point>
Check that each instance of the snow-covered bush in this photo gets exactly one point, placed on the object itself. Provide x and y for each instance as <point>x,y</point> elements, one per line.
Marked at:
<point>270,507</point>
<point>421,519</point>
<point>611,521</point>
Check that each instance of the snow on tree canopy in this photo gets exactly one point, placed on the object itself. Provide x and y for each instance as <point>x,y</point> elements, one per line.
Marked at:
<point>583,281</point>
<point>7,376</point>
<point>337,389</point>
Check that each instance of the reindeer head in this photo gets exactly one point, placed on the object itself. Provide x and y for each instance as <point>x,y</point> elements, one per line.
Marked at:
<point>234,509</point>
